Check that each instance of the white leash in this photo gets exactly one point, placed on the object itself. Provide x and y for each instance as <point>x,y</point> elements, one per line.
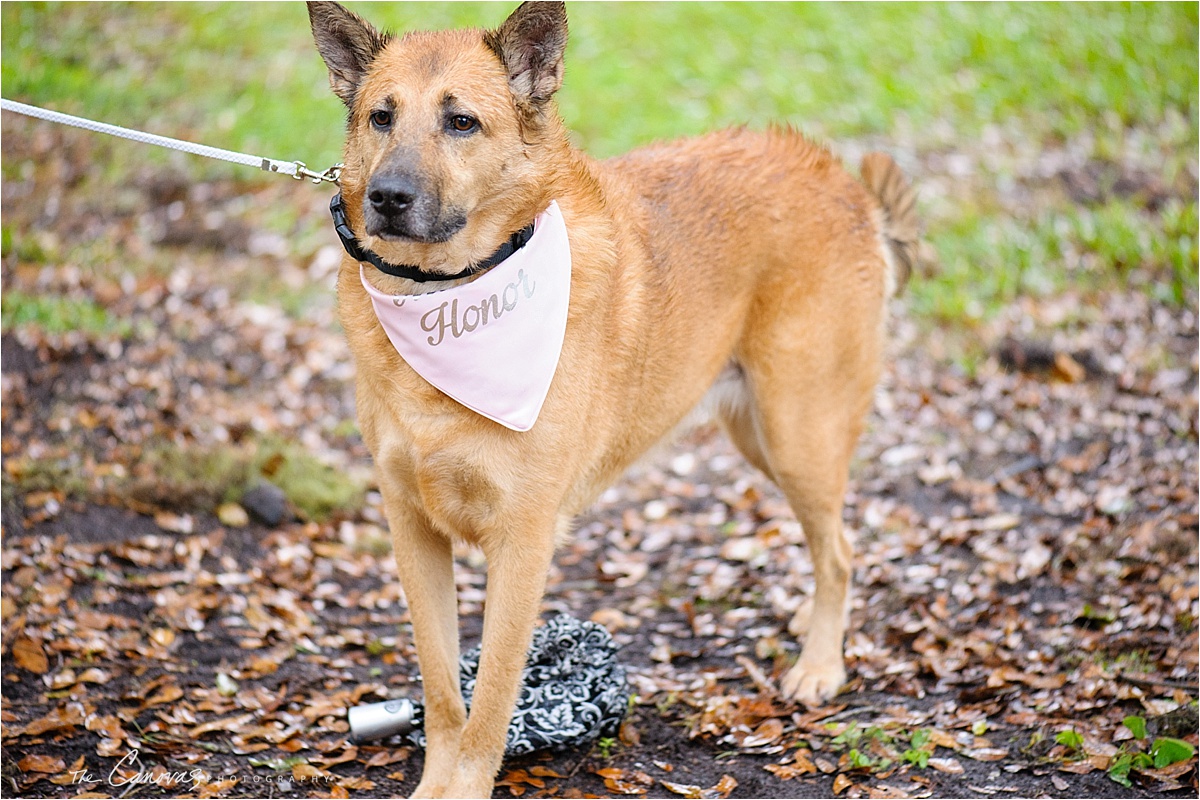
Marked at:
<point>296,169</point>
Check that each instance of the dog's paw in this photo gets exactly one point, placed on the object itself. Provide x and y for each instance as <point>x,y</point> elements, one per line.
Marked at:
<point>814,684</point>
<point>459,785</point>
<point>469,787</point>
<point>426,789</point>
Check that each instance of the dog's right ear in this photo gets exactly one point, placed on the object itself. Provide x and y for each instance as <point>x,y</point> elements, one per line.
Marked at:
<point>531,43</point>
<point>347,43</point>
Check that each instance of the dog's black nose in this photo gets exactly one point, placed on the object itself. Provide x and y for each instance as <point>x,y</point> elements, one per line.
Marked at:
<point>391,194</point>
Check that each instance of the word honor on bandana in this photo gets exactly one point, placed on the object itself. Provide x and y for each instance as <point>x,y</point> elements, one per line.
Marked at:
<point>491,344</point>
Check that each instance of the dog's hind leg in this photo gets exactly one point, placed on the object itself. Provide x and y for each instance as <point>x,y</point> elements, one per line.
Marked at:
<point>425,561</point>
<point>810,398</point>
<point>810,453</point>
<point>738,416</point>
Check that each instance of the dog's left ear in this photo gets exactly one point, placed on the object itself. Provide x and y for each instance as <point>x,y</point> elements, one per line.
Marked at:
<point>531,43</point>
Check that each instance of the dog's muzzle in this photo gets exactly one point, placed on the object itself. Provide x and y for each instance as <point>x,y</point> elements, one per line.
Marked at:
<point>398,207</point>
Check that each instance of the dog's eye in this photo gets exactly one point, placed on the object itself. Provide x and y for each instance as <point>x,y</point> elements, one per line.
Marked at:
<point>381,119</point>
<point>461,123</point>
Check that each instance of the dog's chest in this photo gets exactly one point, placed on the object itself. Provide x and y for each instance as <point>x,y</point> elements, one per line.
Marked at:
<point>460,471</point>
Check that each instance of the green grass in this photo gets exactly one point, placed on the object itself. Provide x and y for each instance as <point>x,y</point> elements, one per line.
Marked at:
<point>44,474</point>
<point>246,76</point>
<point>928,77</point>
<point>314,487</point>
<point>990,259</point>
<point>55,314</point>
<point>199,478</point>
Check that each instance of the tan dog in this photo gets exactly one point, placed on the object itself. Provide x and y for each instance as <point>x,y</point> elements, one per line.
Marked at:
<point>748,264</point>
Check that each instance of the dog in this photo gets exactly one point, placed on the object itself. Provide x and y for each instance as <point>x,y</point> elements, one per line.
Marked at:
<point>747,266</point>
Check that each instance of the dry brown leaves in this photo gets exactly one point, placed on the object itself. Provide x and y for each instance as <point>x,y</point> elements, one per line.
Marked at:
<point>1026,552</point>
<point>518,781</point>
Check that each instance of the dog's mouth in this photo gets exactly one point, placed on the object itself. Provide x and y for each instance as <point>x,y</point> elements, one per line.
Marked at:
<point>403,230</point>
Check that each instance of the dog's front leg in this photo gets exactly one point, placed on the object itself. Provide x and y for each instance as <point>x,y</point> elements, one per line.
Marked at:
<point>518,561</point>
<point>425,561</point>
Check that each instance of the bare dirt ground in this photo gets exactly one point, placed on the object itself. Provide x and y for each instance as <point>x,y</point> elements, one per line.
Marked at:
<point>1025,525</point>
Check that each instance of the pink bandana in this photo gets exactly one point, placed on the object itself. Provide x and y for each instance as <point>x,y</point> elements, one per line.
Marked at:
<point>491,344</point>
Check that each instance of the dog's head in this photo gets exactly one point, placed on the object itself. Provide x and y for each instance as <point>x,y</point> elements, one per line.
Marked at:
<point>445,129</point>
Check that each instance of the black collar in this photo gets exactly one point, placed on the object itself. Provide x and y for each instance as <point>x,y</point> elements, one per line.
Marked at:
<point>359,253</point>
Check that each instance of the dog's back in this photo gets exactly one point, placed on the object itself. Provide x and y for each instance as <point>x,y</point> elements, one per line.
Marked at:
<point>729,206</point>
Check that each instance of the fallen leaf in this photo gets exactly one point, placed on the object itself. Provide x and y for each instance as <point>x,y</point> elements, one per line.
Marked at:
<point>1077,767</point>
<point>986,753</point>
<point>628,734</point>
<point>106,724</point>
<point>101,621</point>
<point>1068,369</point>
<point>63,679</point>
<point>94,675</point>
<point>29,655</point>
<point>1171,771</point>
<point>614,620</point>
<point>163,636</point>
<point>800,766</point>
<point>357,782</point>
<point>229,723</point>
<point>624,782</point>
<point>683,789</point>
<point>950,766</point>
<point>760,680</point>
<point>517,777</point>
<point>307,772</point>
<point>175,523</point>
<point>47,764</point>
<point>841,783</point>
<point>943,739</point>
<point>166,694</point>
<point>109,748</point>
<point>1005,675</point>
<point>349,754</point>
<point>722,788</point>
<point>766,733</point>
<point>385,757</point>
<point>61,718</point>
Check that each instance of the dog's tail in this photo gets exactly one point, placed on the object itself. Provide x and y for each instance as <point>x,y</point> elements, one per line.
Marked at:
<point>898,200</point>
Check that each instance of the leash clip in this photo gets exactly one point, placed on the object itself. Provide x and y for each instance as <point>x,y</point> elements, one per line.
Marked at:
<point>331,175</point>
